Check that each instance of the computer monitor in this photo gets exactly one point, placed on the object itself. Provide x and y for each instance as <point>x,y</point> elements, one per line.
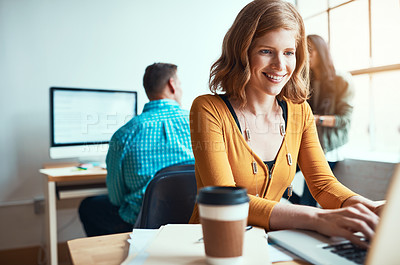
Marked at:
<point>82,121</point>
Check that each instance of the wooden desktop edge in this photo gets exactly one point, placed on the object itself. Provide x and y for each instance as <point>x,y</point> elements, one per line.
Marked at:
<point>90,176</point>
<point>112,250</point>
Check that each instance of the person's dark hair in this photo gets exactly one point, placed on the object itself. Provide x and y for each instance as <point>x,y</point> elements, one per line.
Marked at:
<point>325,65</point>
<point>231,72</point>
<point>156,77</point>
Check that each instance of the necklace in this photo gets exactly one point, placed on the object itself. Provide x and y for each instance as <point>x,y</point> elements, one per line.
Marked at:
<point>282,131</point>
<point>248,140</point>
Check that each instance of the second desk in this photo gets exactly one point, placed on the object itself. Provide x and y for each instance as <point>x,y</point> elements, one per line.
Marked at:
<point>65,181</point>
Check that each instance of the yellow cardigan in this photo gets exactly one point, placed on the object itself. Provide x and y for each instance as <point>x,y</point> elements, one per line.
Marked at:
<point>223,158</point>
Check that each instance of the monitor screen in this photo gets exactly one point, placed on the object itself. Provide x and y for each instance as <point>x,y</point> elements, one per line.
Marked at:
<point>82,121</point>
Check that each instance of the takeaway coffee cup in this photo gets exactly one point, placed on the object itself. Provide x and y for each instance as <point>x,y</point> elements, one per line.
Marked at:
<point>223,216</point>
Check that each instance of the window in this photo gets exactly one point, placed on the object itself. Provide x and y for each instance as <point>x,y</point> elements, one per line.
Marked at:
<point>364,39</point>
<point>349,39</point>
<point>318,25</point>
<point>385,17</point>
<point>311,7</point>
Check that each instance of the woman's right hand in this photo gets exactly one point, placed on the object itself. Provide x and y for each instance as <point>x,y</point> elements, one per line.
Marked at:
<point>343,222</point>
<point>347,221</point>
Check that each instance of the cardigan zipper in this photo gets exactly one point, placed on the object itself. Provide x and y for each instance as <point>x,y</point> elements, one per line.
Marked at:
<point>269,179</point>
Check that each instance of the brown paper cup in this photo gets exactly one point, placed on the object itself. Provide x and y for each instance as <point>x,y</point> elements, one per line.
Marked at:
<point>223,230</point>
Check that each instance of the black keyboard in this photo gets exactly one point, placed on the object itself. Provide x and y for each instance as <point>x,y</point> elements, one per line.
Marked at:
<point>349,251</point>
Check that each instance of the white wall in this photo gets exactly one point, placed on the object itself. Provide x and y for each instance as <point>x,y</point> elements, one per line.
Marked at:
<point>88,44</point>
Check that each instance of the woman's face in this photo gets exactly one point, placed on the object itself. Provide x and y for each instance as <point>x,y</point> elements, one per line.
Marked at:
<point>272,59</point>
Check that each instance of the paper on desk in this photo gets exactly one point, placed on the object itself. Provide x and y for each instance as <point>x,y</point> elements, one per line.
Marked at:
<point>139,239</point>
<point>177,244</point>
<point>277,254</point>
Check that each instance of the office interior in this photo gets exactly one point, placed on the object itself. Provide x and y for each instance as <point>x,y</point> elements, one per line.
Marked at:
<point>107,45</point>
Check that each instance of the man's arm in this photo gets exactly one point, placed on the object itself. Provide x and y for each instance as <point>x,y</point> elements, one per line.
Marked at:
<point>115,177</point>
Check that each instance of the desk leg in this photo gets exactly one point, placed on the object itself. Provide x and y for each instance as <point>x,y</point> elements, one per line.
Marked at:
<point>51,222</point>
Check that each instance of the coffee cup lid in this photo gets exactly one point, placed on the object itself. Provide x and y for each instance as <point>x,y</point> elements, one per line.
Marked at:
<point>222,195</point>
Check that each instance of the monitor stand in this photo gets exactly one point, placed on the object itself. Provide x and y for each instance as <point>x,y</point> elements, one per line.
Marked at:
<point>89,162</point>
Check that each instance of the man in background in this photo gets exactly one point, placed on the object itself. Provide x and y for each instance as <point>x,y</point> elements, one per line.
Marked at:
<point>155,139</point>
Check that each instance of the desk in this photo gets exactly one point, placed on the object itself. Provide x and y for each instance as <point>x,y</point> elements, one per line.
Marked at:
<point>73,184</point>
<point>112,250</point>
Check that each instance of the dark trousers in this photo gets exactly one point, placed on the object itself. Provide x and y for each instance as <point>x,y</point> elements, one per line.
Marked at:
<point>100,217</point>
<point>306,198</point>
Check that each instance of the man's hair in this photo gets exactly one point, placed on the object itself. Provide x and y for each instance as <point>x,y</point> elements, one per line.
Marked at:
<point>156,77</point>
<point>231,72</point>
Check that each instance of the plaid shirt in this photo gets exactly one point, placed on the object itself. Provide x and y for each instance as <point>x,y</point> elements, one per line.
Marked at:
<point>157,138</point>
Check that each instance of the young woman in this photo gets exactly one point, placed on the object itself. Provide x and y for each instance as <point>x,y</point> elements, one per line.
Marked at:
<point>253,134</point>
<point>331,102</point>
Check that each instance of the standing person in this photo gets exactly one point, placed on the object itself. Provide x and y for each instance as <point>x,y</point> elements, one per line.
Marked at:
<point>253,134</point>
<point>331,101</point>
<point>155,139</point>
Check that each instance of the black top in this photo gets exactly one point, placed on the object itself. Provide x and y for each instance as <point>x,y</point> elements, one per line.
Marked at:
<point>281,103</point>
<point>222,195</point>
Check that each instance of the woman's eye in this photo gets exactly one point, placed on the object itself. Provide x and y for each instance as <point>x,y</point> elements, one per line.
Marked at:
<point>266,51</point>
<point>289,53</point>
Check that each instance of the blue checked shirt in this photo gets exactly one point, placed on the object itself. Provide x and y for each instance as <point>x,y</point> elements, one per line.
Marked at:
<point>157,138</point>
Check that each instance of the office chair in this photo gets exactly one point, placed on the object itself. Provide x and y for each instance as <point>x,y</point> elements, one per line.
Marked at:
<point>169,198</point>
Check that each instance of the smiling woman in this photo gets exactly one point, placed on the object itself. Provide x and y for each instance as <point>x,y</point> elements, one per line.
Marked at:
<point>238,41</point>
<point>272,61</point>
<point>266,127</point>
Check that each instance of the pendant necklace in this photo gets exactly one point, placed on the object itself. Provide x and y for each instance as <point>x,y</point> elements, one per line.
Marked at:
<point>253,162</point>
<point>247,135</point>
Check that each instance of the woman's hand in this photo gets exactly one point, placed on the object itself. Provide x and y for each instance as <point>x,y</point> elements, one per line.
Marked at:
<point>375,206</point>
<point>354,217</point>
<point>347,221</point>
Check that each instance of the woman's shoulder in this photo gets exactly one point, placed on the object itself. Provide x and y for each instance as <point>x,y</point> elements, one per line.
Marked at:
<point>343,74</point>
<point>297,106</point>
<point>207,100</point>
<point>207,97</point>
<point>343,77</point>
<point>299,110</point>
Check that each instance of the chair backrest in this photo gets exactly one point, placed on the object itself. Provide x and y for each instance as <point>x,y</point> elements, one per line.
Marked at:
<point>169,198</point>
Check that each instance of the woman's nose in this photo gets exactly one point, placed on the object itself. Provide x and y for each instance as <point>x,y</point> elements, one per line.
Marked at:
<point>277,62</point>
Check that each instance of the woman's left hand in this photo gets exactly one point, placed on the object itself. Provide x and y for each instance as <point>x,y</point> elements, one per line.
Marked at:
<point>374,206</point>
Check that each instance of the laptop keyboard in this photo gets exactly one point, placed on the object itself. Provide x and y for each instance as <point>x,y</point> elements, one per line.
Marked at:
<point>349,251</point>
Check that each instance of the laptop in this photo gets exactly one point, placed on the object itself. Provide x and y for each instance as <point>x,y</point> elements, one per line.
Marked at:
<point>319,249</point>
